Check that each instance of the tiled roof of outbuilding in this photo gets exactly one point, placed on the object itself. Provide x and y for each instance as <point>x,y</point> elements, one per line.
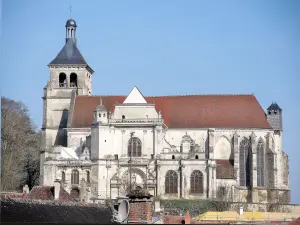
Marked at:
<point>47,193</point>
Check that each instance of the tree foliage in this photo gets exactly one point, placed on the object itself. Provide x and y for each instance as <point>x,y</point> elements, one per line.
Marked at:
<point>20,146</point>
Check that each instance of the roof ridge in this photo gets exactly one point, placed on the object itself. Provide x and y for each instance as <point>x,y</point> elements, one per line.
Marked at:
<point>202,95</point>
<point>169,95</point>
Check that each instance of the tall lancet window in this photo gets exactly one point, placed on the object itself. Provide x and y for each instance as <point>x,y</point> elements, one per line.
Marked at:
<point>171,182</point>
<point>135,147</point>
<point>75,177</point>
<point>260,163</point>
<point>245,160</point>
<point>196,182</point>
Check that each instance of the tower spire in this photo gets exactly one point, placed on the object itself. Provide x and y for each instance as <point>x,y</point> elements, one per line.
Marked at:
<point>71,28</point>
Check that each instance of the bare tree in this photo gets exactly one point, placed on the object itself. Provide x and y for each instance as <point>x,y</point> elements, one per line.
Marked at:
<point>19,146</point>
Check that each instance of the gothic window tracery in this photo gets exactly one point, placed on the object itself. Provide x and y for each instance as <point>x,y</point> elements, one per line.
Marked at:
<point>171,182</point>
<point>75,177</point>
<point>260,163</point>
<point>245,162</point>
<point>135,147</point>
<point>196,182</point>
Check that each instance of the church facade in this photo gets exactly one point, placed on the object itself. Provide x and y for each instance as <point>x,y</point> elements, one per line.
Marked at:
<point>192,147</point>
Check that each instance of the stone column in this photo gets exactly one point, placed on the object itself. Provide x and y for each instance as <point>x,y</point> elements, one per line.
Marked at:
<point>209,185</point>
<point>236,157</point>
<point>254,168</point>
<point>123,153</point>
<point>211,144</point>
<point>158,177</point>
<point>214,179</point>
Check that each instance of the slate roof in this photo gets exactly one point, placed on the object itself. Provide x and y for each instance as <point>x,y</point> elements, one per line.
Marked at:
<point>193,111</point>
<point>69,54</point>
<point>274,106</point>
<point>47,193</point>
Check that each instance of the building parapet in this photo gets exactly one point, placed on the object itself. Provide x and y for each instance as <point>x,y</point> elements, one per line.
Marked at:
<point>147,121</point>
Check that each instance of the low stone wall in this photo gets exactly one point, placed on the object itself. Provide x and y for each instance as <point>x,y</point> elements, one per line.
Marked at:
<point>262,207</point>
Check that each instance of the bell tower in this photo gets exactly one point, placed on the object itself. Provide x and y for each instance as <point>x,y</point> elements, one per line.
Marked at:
<point>70,76</point>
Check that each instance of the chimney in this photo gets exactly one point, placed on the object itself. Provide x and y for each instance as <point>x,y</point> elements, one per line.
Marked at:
<point>26,189</point>
<point>187,218</point>
<point>56,189</point>
<point>241,210</point>
<point>140,203</point>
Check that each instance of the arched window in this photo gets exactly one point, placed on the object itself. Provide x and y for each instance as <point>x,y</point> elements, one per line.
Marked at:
<point>73,80</point>
<point>245,162</point>
<point>75,193</point>
<point>134,147</point>
<point>62,80</point>
<point>196,182</point>
<point>260,163</point>
<point>173,156</point>
<point>88,176</point>
<point>171,182</point>
<point>192,147</point>
<point>75,177</point>
<point>196,157</point>
<point>63,177</point>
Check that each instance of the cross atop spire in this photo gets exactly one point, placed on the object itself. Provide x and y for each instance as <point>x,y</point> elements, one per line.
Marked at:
<point>70,11</point>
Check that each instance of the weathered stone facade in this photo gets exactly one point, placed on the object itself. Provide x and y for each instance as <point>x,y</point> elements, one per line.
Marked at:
<point>183,160</point>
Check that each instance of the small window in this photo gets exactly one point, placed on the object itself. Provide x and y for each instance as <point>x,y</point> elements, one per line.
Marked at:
<point>152,156</point>
<point>275,112</point>
<point>99,114</point>
<point>123,117</point>
<point>63,177</point>
<point>196,157</point>
<point>116,156</point>
<point>62,80</point>
<point>86,158</point>
<point>104,115</point>
<point>73,80</point>
<point>88,176</point>
<point>173,156</point>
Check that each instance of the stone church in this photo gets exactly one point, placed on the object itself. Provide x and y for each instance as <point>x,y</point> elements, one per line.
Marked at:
<point>188,146</point>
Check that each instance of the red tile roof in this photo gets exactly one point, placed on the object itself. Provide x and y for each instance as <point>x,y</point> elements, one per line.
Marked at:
<point>193,111</point>
<point>225,169</point>
<point>295,222</point>
<point>47,193</point>
<point>169,219</point>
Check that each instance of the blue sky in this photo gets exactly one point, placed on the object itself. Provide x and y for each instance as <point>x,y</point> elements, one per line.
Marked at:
<point>163,47</point>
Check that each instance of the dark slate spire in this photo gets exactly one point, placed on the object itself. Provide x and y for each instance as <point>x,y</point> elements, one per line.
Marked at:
<point>274,106</point>
<point>69,54</point>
